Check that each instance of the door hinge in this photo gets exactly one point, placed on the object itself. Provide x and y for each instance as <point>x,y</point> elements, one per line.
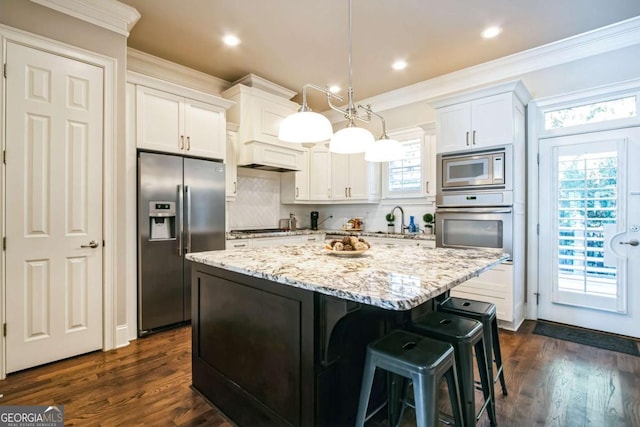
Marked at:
<point>4,243</point>
<point>5,70</point>
<point>538,229</point>
<point>537,298</point>
<point>4,329</point>
<point>538,158</point>
<point>4,156</point>
<point>103,243</point>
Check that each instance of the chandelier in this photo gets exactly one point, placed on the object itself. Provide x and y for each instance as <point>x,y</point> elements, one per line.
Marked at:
<point>307,127</point>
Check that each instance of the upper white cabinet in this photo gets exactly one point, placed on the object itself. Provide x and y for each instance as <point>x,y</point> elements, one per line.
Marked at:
<point>294,186</point>
<point>353,178</point>
<point>172,123</point>
<point>260,106</point>
<point>480,119</point>
<point>319,173</point>
<point>231,170</point>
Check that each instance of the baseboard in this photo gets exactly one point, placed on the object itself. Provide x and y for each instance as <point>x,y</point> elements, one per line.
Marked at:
<point>122,336</point>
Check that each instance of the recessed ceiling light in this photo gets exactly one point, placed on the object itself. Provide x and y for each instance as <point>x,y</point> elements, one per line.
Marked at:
<point>230,40</point>
<point>491,32</point>
<point>399,65</point>
<point>334,89</point>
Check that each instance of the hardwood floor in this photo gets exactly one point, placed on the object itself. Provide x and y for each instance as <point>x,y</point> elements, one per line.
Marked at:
<point>551,383</point>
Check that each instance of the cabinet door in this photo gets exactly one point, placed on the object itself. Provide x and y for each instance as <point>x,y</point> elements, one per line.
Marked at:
<point>204,130</point>
<point>319,173</point>
<point>302,178</point>
<point>339,176</point>
<point>429,166</point>
<point>358,178</point>
<point>269,115</point>
<point>231,163</point>
<point>159,120</point>
<point>453,124</point>
<point>492,121</point>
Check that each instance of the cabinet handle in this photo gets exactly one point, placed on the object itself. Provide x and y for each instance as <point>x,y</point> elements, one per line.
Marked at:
<point>235,187</point>
<point>427,187</point>
<point>297,192</point>
<point>345,192</point>
<point>239,245</point>
<point>182,142</point>
<point>467,138</point>
<point>349,192</point>
<point>189,143</point>
<point>474,137</point>
<point>329,192</point>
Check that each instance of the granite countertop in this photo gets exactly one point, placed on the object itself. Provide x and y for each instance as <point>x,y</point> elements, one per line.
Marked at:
<point>249,235</point>
<point>394,277</point>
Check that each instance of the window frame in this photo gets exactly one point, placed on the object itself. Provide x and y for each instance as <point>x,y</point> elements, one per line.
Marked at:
<point>404,136</point>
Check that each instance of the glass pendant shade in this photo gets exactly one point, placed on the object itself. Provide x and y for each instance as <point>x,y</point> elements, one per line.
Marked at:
<point>384,150</point>
<point>351,140</point>
<point>305,126</point>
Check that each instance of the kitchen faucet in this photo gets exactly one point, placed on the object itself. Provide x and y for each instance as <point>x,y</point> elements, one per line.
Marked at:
<point>402,226</point>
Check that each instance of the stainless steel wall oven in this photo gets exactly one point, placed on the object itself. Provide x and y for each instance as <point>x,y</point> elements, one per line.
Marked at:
<point>475,227</point>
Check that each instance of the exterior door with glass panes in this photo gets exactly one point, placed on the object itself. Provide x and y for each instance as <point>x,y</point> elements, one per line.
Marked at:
<point>589,210</point>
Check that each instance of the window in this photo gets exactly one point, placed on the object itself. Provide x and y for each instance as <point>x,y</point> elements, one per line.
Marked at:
<point>621,108</point>
<point>404,178</point>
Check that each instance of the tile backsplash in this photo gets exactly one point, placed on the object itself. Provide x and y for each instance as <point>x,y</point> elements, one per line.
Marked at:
<point>257,205</point>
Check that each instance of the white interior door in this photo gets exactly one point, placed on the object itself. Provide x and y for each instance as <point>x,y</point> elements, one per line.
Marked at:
<point>54,207</point>
<point>589,210</point>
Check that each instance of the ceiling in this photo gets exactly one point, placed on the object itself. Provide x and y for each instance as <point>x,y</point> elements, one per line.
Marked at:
<point>293,42</point>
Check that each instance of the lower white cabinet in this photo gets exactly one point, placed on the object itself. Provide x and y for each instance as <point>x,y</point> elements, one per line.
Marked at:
<point>494,286</point>
<point>398,241</point>
<point>261,242</point>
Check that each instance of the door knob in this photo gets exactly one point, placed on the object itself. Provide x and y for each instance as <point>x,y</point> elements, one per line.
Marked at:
<point>94,244</point>
<point>632,242</point>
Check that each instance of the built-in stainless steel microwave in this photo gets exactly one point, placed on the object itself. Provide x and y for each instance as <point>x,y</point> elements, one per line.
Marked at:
<point>478,170</point>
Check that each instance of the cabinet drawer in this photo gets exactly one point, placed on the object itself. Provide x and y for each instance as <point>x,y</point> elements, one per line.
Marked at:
<point>504,306</point>
<point>495,282</point>
<point>237,244</point>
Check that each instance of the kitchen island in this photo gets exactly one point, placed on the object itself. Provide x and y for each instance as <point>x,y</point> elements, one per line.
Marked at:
<point>279,333</point>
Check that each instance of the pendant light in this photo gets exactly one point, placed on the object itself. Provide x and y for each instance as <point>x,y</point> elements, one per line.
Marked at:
<point>307,127</point>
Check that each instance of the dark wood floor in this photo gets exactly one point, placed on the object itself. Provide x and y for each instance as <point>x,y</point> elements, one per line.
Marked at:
<point>551,383</point>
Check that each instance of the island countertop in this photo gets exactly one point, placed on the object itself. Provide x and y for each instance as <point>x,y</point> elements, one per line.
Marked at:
<point>392,277</point>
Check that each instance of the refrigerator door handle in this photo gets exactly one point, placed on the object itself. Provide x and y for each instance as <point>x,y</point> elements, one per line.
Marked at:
<point>181,222</point>
<point>187,214</point>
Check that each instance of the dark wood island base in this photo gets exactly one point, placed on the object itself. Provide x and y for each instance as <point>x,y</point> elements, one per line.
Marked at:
<point>271,355</point>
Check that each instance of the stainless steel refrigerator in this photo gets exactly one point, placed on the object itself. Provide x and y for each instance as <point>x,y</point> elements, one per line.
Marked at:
<point>181,209</point>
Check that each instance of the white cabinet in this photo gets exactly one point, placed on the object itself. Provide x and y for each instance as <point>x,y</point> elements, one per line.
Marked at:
<point>261,242</point>
<point>353,178</point>
<point>259,113</point>
<point>398,241</point>
<point>480,119</point>
<point>231,168</point>
<point>319,173</point>
<point>172,123</point>
<point>494,286</point>
<point>294,186</point>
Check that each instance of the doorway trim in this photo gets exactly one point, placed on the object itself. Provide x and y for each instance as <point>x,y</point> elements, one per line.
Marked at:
<point>536,132</point>
<point>109,294</point>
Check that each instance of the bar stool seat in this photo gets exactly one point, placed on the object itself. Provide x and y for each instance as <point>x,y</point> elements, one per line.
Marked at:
<point>422,360</point>
<point>465,335</point>
<point>485,313</point>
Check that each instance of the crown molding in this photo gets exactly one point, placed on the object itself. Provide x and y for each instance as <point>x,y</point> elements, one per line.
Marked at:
<point>252,80</point>
<point>153,66</point>
<point>110,14</point>
<point>612,37</point>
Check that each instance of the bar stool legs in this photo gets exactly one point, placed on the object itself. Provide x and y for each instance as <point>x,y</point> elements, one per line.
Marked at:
<point>485,313</point>
<point>466,337</point>
<point>422,360</point>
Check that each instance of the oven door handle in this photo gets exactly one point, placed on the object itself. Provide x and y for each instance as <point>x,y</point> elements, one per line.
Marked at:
<point>473,210</point>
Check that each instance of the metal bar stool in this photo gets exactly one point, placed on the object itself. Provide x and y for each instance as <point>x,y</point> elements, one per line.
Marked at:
<point>465,335</point>
<point>422,360</point>
<point>485,313</point>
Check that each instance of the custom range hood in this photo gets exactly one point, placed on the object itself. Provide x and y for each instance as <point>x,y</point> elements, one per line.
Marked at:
<point>260,106</point>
